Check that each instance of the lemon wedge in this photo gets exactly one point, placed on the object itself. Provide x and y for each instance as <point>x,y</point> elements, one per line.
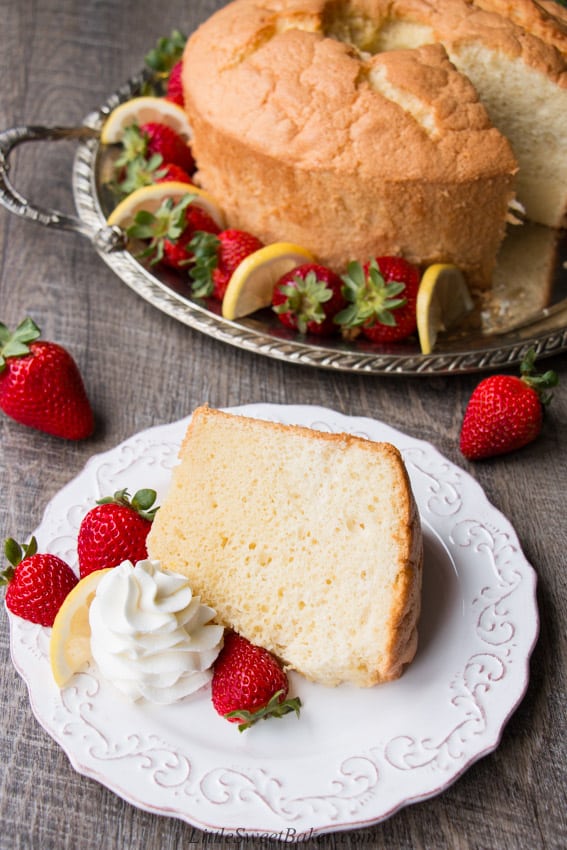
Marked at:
<point>443,300</point>
<point>143,110</point>
<point>70,646</point>
<point>151,197</point>
<point>252,283</point>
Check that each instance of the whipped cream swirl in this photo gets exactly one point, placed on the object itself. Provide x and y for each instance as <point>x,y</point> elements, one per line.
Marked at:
<point>149,635</point>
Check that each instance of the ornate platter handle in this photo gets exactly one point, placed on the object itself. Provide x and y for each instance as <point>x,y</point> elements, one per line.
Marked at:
<point>105,239</point>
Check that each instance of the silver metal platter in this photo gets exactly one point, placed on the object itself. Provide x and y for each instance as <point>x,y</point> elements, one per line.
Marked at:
<point>528,308</point>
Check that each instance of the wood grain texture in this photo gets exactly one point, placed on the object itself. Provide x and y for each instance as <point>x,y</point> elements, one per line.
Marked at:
<point>58,60</point>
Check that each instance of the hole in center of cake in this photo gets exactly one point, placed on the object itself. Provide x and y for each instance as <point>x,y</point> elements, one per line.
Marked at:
<point>347,22</point>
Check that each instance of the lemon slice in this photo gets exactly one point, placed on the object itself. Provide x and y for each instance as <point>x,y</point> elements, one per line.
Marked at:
<point>443,300</point>
<point>151,197</point>
<point>143,110</point>
<point>70,646</point>
<point>252,283</point>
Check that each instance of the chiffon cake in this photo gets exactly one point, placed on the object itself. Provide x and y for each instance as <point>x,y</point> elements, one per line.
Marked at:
<point>306,543</point>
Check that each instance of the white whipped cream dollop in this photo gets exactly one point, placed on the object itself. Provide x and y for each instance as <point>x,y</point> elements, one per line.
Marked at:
<point>149,635</point>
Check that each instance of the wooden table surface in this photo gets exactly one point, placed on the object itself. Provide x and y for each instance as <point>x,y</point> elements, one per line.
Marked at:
<point>59,59</point>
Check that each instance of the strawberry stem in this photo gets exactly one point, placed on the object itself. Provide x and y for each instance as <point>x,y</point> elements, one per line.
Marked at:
<point>167,52</point>
<point>142,502</point>
<point>274,708</point>
<point>139,172</point>
<point>304,298</point>
<point>205,247</point>
<point>371,299</point>
<point>168,222</point>
<point>160,61</point>
<point>537,380</point>
<point>15,554</point>
<point>16,344</point>
<point>134,146</point>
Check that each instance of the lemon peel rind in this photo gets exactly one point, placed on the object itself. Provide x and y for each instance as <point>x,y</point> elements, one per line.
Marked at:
<point>151,197</point>
<point>432,279</point>
<point>160,110</point>
<point>84,591</point>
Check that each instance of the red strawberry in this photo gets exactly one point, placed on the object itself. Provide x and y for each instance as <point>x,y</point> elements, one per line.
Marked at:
<point>307,299</point>
<point>170,229</point>
<point>37,583</point>
<point>178,253</point>
<point>41,386</point>
<point>171,172</point>
<point>174,90</point>
<point>155,138</point>
<point>382,296</point>
<point>249,684</point>
<point>165,141</point>
<point>505,412</point>
<point>216,258</point>
<point>115,531</point>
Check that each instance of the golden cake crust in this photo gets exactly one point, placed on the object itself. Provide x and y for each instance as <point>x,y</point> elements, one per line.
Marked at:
<point>351,155</point>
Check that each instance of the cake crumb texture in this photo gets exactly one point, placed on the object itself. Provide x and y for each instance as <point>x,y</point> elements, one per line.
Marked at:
<point>306,543</point>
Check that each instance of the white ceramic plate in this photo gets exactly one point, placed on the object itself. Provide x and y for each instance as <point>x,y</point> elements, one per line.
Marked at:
<point>354,756</point>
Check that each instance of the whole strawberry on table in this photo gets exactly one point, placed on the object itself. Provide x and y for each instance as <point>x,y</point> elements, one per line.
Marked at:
<point>40,384</point>
<point>505,412</point>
